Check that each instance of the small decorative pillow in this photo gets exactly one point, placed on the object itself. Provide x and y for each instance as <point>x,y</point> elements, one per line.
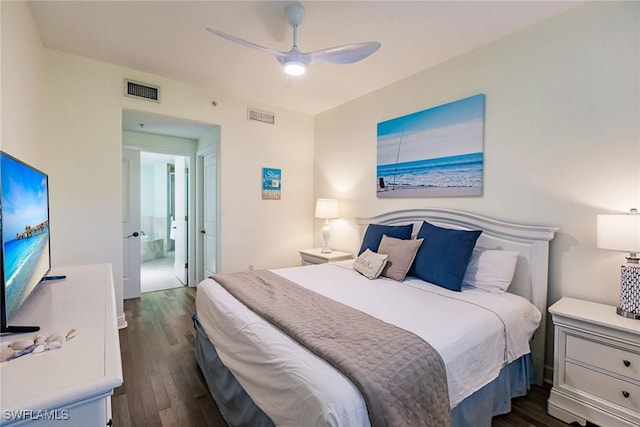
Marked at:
<point>370,264</point>
<point>373,235</point>
<point>490,270</point>
<point>444,255</point>
<point>401,255</point>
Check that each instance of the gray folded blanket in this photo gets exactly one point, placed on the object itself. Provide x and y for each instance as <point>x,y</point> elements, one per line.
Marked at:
<point>401,377</point>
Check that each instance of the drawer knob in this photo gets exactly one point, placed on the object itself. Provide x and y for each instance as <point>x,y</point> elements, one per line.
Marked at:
<point>626,363</point>
<point>625,394</point>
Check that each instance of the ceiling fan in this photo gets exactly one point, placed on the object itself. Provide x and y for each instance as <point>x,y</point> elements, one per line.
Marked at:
<point>295,61</point>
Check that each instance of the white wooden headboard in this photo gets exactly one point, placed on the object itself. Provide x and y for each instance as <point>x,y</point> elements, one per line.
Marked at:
<point>532,242</point>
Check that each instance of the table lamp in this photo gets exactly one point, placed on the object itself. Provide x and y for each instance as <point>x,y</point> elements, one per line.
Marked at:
<point>621,232</point>
<point>327,209</point>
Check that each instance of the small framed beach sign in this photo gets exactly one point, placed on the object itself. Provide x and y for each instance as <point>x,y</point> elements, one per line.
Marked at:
<point>436,152</point>
<point>271,182</point>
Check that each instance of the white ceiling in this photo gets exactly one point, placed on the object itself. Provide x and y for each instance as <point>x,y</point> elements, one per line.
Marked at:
<point>169,38</point>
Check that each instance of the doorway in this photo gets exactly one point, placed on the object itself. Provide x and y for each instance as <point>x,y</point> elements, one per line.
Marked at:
<point>186,142</point>
<point>163,201</point>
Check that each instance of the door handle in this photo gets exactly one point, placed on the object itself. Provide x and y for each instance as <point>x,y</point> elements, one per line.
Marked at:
<point>134,234</point>
<point>203,231</point>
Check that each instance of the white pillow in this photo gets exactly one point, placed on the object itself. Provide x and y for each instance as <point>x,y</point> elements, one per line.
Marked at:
<point>370,264</point>
<point>490,270</point>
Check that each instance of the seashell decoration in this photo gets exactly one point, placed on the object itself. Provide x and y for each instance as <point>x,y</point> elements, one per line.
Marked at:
<point>53,345</point>
<point>40,340</point>
<point>56,336</point>
<point>22,352</point>
<point>6,354</point>
<point>39,344</point>
<point>21,344</point>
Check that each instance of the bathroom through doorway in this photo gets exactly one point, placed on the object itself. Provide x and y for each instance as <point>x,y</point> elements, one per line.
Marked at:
<point>164,182</point>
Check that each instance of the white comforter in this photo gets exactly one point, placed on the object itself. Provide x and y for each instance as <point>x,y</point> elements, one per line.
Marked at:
<point>475,332</point>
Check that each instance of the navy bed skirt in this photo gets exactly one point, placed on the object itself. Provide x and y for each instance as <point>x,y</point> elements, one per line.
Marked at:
<point>238,410</point>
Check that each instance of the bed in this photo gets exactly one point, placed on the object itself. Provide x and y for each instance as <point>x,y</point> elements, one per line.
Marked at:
<point>259,376</point>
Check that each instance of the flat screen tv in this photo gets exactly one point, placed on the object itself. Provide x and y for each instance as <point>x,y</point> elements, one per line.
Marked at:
<point>24,231</point>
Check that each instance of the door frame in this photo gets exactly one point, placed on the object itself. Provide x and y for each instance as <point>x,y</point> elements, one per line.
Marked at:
<point>200,201</point>
<point>130,224</point>
<point>182,175</point>
<point>182,126</point>
<point>191,207</point>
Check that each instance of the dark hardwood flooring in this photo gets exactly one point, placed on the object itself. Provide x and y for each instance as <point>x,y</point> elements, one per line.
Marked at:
<point>163,385</point>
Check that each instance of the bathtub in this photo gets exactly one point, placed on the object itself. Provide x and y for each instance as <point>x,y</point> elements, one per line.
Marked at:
<point>151,248</point>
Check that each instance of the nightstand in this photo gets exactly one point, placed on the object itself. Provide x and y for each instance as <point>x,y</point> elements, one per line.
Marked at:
<point>315,256</point>
<point>596,368</point>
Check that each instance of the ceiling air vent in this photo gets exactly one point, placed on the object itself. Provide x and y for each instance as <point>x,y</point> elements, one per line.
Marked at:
<point>141,91</point>
<point>261,116</point>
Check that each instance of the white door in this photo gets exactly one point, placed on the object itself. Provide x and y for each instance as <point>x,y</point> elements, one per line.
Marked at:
<point>131,222</point>
<point>210,214</point>
<point>181,185</point>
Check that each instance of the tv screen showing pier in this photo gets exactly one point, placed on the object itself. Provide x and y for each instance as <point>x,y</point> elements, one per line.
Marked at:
<point>24,217</point>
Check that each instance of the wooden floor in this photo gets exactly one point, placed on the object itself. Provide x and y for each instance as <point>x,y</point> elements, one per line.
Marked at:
<point>163,385</point>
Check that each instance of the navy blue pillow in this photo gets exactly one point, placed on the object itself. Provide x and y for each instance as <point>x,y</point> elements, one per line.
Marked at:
<point>443,257</point>
<point>373,235</point>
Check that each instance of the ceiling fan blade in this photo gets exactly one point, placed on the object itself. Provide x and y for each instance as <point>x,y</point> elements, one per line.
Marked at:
<point>246,43</point>
<point>295,61</point>
<point>346,54</point>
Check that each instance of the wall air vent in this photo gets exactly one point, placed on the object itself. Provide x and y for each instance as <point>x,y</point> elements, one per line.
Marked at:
<point>261,116</point>
<point>141,90</point>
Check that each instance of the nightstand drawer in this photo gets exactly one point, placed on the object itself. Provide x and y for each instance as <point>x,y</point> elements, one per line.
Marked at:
<point>605,387</point>
<point>590,376</point>
<point>600,355</point>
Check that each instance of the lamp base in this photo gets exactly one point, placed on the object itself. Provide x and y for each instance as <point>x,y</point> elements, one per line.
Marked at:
<point>326,234</point>
<point>629,291</point>
<point>627,314</point>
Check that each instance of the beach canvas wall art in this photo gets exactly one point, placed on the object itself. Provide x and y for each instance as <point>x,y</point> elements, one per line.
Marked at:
<point>271,183</point>
<point>437,152</point>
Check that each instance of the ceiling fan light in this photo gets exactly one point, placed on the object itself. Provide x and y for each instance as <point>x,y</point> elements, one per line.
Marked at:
<point>294,68</point>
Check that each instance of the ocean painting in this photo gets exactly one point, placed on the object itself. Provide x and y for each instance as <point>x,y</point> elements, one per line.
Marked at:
<point>436,152</point>
<point>25,230</point>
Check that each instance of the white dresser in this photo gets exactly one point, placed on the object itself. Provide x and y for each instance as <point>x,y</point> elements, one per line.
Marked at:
<point>596,374</point>
<point>70,386</point>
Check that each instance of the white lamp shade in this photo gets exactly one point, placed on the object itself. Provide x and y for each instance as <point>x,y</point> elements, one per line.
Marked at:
<point>327,209</point>
<point>619,232</point>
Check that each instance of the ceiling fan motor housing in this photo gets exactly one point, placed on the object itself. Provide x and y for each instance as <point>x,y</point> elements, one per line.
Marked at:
<point>295,14</point>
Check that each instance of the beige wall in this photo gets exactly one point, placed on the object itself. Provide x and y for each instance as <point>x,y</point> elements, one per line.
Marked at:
<point>562,139</point>
<point>80,121</point>
<point>21,85</point>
